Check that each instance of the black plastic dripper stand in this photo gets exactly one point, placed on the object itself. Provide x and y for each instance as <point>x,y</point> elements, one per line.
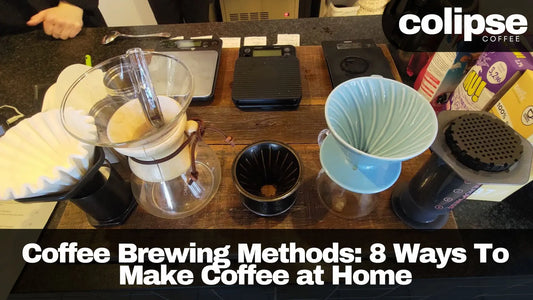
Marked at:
<point>471,149</point>
<point>101,193</point>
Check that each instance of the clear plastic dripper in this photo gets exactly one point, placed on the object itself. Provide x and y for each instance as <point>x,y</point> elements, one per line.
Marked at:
<point>144,89</point>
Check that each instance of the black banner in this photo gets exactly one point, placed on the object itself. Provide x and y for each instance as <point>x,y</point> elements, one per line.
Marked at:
<point>80,260</point>
<point>457,25</point>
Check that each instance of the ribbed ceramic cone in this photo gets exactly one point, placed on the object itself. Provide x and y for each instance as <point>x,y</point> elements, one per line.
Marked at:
<point>381,117</point>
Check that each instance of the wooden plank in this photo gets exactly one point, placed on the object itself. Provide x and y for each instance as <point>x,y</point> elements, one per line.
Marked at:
<point>316,84</point>
<point>226,210</point>
<point>392,65</point>
<point>297,126</point>
<point>225,77</point>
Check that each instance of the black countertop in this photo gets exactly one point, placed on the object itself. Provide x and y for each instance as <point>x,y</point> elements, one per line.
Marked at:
<point>30,62</point>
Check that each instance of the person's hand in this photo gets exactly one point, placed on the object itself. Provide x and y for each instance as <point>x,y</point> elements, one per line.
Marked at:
<point>62,22</point>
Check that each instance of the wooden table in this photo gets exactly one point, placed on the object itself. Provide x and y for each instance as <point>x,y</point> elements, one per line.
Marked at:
<point>297,128</point>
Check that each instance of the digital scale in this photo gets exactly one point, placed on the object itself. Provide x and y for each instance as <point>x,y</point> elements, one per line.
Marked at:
<point>202,56</point>
<point>267,78</point>
<point>354,58</point>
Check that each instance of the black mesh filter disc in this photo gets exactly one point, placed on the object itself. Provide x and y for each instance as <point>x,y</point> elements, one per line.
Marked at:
<point>483,142</point>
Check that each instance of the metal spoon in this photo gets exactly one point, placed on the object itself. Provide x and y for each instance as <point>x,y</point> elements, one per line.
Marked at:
<point>108,38</point>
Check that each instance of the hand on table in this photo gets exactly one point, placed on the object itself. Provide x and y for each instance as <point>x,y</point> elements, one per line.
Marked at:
<point>62,22</point>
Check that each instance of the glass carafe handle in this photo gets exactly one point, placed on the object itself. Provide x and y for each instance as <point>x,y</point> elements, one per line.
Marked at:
<point>322,136</point>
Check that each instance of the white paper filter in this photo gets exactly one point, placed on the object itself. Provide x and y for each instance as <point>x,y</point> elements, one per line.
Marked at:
<point>40,157</point>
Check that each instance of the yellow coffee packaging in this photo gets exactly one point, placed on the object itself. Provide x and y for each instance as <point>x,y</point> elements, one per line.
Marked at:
<point>516,106</point>
<point>487,77</point>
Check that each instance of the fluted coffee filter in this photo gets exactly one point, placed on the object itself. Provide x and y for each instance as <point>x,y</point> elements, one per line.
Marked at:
<point>381,117</point>
<point>39,157</point>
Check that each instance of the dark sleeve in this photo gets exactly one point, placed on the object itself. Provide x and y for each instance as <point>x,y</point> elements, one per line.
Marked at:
<point>13,16</point>
<point>15,13</point>
<point>92,16</point>
<point>182,11</point>
<point>85,4</point>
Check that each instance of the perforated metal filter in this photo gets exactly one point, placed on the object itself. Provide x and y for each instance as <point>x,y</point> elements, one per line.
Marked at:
<point>483,142</point>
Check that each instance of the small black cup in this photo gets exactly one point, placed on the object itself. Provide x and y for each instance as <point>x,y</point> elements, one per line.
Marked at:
<point>267,174</point>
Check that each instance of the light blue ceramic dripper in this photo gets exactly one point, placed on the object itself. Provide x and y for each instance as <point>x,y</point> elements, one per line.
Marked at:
<point>373,125</point>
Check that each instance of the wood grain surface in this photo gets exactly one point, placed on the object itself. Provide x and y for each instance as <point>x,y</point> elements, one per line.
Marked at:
<point>298,128</point>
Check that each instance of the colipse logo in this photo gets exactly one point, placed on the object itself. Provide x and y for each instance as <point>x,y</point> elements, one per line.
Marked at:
<point>492,27</point>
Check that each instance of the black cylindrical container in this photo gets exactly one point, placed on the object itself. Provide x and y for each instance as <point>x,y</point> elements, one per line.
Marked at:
<point>101,193</point>
<point>435,190</point>
<point>106,199</point>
